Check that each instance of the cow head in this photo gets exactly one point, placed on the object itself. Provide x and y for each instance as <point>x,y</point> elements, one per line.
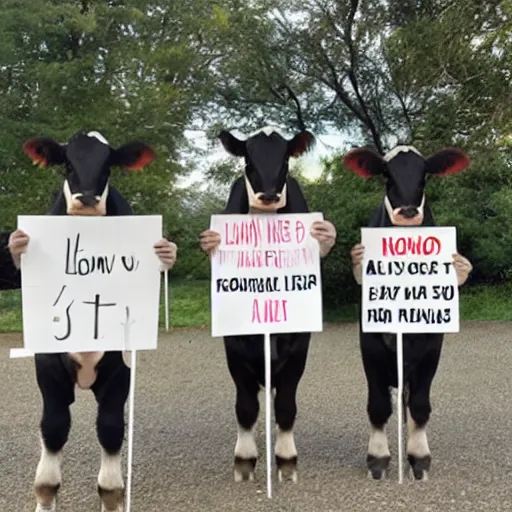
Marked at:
<point>405,171</point>
<point>87,158</point>
<point>266,156</point>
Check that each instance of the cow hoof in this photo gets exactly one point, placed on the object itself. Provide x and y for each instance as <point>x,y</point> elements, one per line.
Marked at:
<point>244,469</point>
<point>48,495</point>
<point>377,466</point>
<point>112,500</point>
<point>47,508</point>
<point>286,469</point>
<point>419,467</point>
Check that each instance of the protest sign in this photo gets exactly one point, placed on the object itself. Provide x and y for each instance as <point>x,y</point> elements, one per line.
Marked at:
<point>266,275</point>
<point>85,278</point>
<point>409,282</point>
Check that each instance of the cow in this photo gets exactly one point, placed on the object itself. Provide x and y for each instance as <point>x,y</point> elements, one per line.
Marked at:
<point>87,159</point>
<point>404,204</point>
<point>267,188</point>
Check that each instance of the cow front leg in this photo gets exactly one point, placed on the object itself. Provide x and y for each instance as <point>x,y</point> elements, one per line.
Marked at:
<point>285,404</point>
<point>111,390</point>
<point>418,451</point>
<point>246,451</point>
<point>379,410</point>
<point>419,409</point>
<point>57,393</point>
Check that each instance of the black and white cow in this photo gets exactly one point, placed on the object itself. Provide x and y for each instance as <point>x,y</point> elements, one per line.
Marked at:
<point>87,158</point>
<point>266,188</point>
<point>404,204</point>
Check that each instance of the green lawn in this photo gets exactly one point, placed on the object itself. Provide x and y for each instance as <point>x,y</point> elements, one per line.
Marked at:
<point>190,306</point>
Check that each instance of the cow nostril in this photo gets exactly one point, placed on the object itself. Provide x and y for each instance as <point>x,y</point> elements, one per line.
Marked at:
<point>88,200</point>
<point>270,197</point>
<point>409,213</point>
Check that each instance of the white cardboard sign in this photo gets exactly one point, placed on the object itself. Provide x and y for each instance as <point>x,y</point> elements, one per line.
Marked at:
<point>265,275</point>
<point>85,278</point>
<point>409,282</point>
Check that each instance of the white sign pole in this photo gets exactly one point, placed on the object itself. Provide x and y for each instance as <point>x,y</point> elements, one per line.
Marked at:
<point>268,413</point>
<point>166,292</point>
<point>400,393</point>
<point>133,369</point>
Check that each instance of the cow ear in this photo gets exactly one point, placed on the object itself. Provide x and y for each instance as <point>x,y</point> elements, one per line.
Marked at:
<point>133,156</point>
<point>447,161</point>
<point>44,152</point>
<point>301,143</point>
<point>365,162</point>
<point>232,145</point>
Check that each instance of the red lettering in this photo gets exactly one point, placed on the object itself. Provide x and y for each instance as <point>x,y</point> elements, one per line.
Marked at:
<point>411,246</point>
<point>243,233</point>
<point>278,231</point>
<point>274,311</point>
<point>255,312</point>
<point>300,231</point>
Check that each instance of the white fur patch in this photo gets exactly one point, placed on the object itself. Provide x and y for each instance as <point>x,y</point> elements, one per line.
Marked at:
<point>417,443</point>
<point>399,149</point>
<point>267,130</point>
<point>110,476</point>
<point>48,469</point>
<point>245,444</point>
<point>97,135</point>
<point>285,444</point>
<point>378,445</point>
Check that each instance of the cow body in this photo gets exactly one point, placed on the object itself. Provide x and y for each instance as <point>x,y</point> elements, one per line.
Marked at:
<point>266,188</point>
<point>85,191</point>
<point>246,364</point>
<point>404,205</point>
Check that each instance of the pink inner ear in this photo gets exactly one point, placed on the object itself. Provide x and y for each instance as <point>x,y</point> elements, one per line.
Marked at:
<point>304,143</point>
<point>459,163</point>
<point>356,162</point>
<point>147,155</point>
<point>30,148</point>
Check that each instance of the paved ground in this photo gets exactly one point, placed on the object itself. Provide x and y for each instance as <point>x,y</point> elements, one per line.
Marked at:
<point>185,432</point>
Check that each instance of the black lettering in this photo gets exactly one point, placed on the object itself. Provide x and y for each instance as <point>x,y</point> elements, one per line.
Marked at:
<point>97,306</point>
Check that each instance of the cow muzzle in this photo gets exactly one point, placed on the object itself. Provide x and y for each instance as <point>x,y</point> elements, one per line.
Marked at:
<point>269,201</point>
<point>85,203</point>
<point>409,212</point>
<point>405,215</point>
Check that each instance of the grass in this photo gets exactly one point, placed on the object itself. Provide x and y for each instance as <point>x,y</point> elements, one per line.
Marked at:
<point>190,306</point>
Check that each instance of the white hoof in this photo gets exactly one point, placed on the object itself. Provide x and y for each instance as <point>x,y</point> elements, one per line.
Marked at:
<point>47,508</point>
<point>292,476</point>
<point>241,477</point>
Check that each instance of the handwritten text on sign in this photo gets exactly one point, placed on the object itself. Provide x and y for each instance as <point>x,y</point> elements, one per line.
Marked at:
<point>86,279</point>
<point>409,282</point>
<point>266,275</point>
